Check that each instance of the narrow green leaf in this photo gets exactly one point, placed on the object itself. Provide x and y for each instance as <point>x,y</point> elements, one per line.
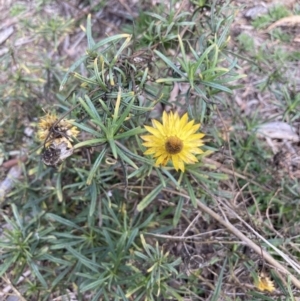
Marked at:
<point>191,192</point>
<point>131,291</point>
<point>186,23</point>
<point>201,93</point>
<point>86,107</point>
<point>7,264</point>
<point>108,240</point>
<point>221,71</point>
<point>136,173</point>
<point>131,238</point>
<point>132,132</point>
<point>171,80</point>
<point>260,296</point>
<point>61,220</point>
<point>215,59</point>
<point>178,211</point>
<point>105,107</point>
<point>147,247</point>
<point>185,60</point>
<point>93,285</point>
<point>71,69</point>
<point>88,80</point>
<point>98,76</point>
<point>68,236</point>
<point>204,56</point>
<point>94,111</point>
<point>175,294</point>
<point>124,115</point>
<point>149,198</point>
<point>55,260</point>
<point>95,166</point>
<point>160,176</point>
<point>61,276</point>
<point>90,142</point>
<point>121,48</point>
<point>170,63</point>
<point>113,148</point>
<point>93,194</point>
<point>224,36</point>
<point>170,176</point>
<point>278,282</point>
<point>216,294</point>
<point>132,155</point>
<point>100,293</point>
<point>217,86</point>
<point>104,128</point>
<point>144,78</point>
<point>157,16</point>
<point>125,158</point>
<point>58,188</point>
<point>36,271</point>
<point>199,175</point>
<point>289,287</point>
<point>218,176</point>
<point>110,39</point>
<point>62,246</point>
<point>90,39</point>
<point>169,29</point>
<point>84,260</point>
<point>87,129</point>
<point>17,216</point>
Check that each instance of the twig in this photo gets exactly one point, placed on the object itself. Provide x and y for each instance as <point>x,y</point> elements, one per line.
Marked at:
<point>11,287</point>
<point>233,173</point>
<point>240,235</point>
<point>12,162</point>
<point>191,224</point>
<point>249,242</point>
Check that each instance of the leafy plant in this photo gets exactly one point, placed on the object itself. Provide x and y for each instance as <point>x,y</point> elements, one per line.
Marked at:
<point>108,223</point>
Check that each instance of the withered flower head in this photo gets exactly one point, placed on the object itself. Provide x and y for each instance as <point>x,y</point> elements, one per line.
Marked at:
<point>264,283</point>
<point>51,130</point>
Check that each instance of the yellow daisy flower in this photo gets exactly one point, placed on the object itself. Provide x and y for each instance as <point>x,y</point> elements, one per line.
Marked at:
<point>175,139</point>
<point>56,132</point>
<point>264,283</point>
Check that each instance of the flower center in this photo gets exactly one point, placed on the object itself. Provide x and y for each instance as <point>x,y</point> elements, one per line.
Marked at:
<point>173,145</point>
